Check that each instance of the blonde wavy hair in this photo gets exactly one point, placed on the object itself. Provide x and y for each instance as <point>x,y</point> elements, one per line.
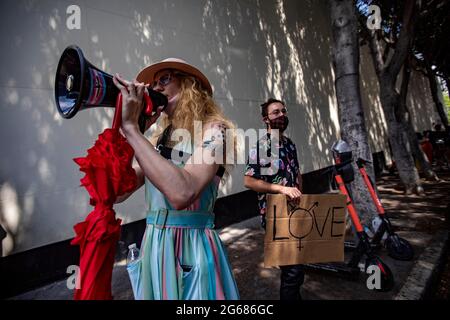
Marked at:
<point>195,104</point>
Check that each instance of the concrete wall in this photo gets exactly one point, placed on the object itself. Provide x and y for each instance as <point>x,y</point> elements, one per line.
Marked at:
<point>249,50</point>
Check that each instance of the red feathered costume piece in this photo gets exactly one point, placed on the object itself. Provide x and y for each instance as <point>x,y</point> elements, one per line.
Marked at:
<point>108,174</point>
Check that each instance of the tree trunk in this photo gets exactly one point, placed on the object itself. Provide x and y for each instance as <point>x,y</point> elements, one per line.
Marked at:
<point>351,114</point>
<point>403,116</point>
<point>418,153</point>
<point>434,87</point>
<point>390,99</point>
<point>398,138</point>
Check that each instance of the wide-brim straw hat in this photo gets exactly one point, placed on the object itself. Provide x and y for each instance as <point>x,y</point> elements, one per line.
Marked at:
<point>147,75</point>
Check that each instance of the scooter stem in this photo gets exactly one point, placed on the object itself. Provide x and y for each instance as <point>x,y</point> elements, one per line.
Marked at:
<point>351,209</point>
<point>372,192</point>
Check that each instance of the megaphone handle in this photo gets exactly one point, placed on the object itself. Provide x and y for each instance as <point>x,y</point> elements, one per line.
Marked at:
<point>118,113</point>
<point>148,109</point>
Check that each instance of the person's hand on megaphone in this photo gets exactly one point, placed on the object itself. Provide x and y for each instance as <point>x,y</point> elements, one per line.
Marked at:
<point>133,103</point>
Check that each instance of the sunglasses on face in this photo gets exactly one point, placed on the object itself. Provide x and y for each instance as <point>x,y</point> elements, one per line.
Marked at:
<point>163,81</point>
<point>277,112</point>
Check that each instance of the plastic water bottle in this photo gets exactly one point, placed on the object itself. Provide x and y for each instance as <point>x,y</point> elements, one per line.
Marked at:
<point>376,222</point>
<point>133,253</point>
<point>368,232</point>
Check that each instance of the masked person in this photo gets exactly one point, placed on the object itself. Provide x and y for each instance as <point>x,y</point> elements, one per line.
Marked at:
<point>284,179</point>
<point>181,255</point>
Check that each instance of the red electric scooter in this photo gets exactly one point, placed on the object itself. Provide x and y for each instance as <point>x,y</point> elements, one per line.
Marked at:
<point>398,248</point>
<point>343,172</point>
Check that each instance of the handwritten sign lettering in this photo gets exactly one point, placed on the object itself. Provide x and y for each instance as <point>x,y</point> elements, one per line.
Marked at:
<point>310,232</point>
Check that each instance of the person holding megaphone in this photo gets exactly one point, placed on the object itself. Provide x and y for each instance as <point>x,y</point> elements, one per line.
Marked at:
<point>181,255</point>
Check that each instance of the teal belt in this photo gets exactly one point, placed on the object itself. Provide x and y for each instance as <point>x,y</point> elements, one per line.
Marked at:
<point>180,218</point>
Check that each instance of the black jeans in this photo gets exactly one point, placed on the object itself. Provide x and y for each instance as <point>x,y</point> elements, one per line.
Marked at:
<point>292,278</point>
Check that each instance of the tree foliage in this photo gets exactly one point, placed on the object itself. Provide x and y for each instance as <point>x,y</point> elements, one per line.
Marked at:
<point>431,42</point>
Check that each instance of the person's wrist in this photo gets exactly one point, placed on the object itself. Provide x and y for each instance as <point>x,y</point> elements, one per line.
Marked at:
<point>279,188</point>
<point>129,128</point>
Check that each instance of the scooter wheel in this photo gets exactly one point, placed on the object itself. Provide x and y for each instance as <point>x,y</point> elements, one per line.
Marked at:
<point>398,248</point>
<point>386,281</point>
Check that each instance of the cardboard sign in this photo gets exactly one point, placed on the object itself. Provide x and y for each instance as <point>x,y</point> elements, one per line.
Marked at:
<point>310,232</point>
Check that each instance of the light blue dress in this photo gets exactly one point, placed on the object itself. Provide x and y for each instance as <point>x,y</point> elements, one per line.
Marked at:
<point>182,256</point>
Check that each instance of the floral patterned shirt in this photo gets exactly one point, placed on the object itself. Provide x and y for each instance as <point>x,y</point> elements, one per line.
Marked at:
<point>286,170</point>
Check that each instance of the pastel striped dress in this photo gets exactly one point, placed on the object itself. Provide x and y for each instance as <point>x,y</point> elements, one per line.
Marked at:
<point>181,255</point>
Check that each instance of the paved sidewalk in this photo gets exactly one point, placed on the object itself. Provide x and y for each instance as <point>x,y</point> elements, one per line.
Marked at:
<point>420,220</point>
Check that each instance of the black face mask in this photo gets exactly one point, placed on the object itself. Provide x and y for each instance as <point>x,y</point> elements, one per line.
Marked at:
<point>279,123</point>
